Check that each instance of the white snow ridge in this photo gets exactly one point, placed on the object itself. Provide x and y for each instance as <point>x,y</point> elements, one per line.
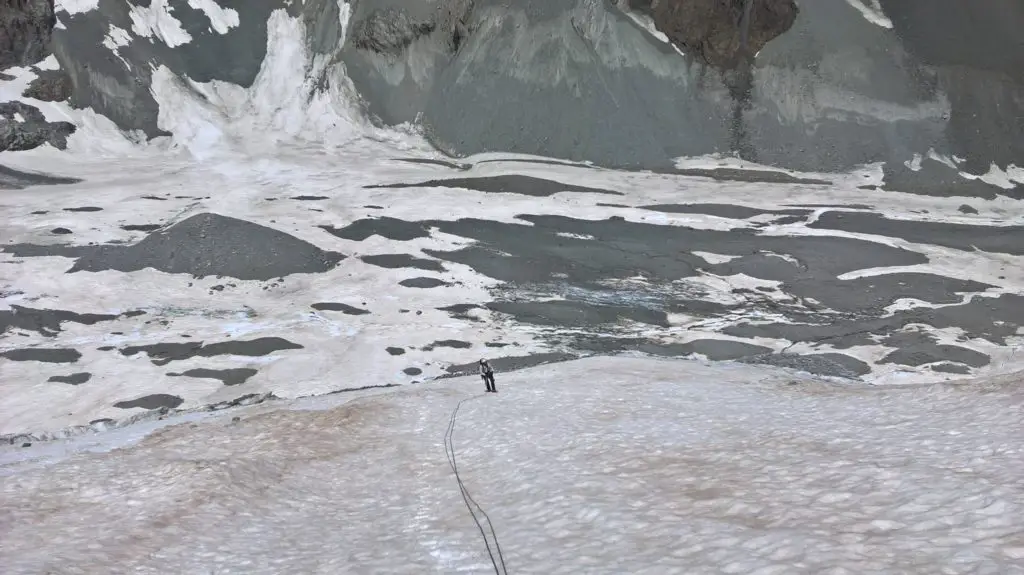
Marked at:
<point>239,330</point>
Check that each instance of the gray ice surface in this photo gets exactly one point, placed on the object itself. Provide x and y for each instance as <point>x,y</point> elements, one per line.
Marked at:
<point>452,343</point>
<point>713,349</point>
<point>201,245</point>
<point>48,321</point>
<point>510,184</point>
<point>154,401</point>
<point>18,179</point>
<point>510,363</point>
<point>933,353</point>
<point>573,260</point>
<point>743,175</point>
<point>72,379</point>
<point>387,227</point>
<point>45,355</point>
<point>828,364</point>
<point>164,353</point>
<point>422,283</point>
<point>232,376</point>
<point>396,261</point>
<point>722,210</point>
<point>1000,239</point>
<point>342,307</point>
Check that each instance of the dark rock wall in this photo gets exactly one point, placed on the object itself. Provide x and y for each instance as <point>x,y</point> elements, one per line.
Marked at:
<point>25,27</point>
<point>580,79</point>
<point>977,52</point>
<point>25,31</point>
<point>23,127</point>
<point>723,33</point>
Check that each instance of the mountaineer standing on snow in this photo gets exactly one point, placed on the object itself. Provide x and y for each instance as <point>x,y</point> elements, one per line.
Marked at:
<point>488,374</point>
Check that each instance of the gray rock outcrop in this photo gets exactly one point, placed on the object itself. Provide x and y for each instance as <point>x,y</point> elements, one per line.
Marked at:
<point>23,127</point>
<point>25,27</point>
<point>49,86</point>
<point>723,33</point>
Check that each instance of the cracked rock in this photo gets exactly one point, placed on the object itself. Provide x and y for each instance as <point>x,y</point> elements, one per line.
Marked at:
<point>389,31</point>
<point>23,127</point>
<point>724,33</point>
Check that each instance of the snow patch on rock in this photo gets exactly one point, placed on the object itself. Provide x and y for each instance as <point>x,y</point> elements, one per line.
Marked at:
<point>222,19</point>
<point>76,6</point>
<point>156,20</point>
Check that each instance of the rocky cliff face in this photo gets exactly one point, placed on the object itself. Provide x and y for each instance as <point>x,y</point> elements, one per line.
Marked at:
<point>23,127</point>
<point>976,51</point>
<point>818,86</point>
<point>25,27</point>
<point>723,33</point>
<point>829,89</point>
<point>25,31</point>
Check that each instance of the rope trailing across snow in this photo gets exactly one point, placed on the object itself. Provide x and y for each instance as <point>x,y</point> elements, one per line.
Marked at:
<point>474,508</point>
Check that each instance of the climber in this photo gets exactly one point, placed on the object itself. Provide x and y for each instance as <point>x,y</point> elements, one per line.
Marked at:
<point>487,373</point>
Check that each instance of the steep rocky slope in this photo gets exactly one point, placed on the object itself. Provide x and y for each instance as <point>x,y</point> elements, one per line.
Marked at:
<point>25,27</point>
<point>817,86</point>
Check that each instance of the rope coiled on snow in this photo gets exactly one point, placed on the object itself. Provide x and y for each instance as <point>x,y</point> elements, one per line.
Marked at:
<point>471,504</point>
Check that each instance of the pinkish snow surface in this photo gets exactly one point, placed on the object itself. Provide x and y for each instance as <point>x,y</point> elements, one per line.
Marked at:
<point>605,465</point>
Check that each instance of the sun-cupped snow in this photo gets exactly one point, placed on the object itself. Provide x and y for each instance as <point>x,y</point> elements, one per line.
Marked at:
<point>604,465</point>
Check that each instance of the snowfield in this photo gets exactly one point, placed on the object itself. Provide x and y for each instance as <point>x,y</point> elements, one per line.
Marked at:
<point>603,465</point>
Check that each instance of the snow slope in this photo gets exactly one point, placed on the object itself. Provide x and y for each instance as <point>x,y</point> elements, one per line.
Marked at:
<point>604,465</point>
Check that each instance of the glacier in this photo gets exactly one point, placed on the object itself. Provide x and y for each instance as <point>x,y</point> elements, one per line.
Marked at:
<point>753,293</point>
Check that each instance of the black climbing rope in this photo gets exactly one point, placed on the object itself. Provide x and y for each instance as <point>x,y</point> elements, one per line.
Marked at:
<point>471,504</point>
